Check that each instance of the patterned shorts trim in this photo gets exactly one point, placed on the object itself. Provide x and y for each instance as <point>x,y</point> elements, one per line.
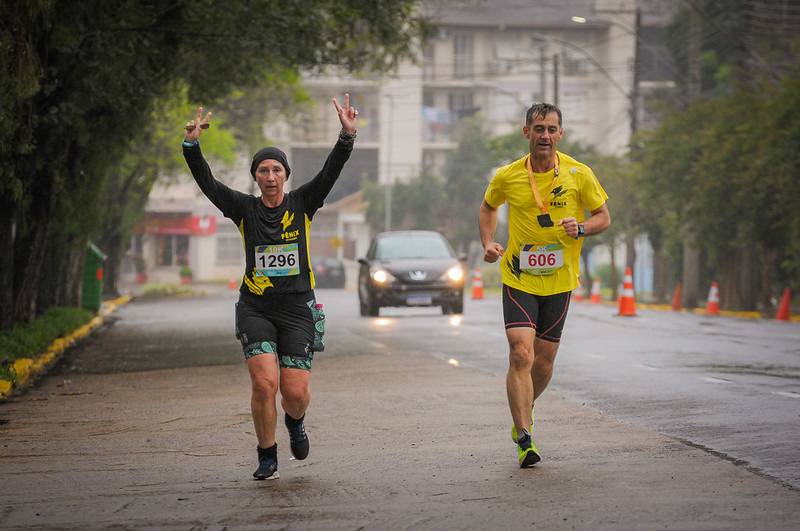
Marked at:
<point>284,362</point>
<point>262,347</point>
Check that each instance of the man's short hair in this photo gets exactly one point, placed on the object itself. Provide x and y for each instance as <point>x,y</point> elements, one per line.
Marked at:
<point>541,110</point>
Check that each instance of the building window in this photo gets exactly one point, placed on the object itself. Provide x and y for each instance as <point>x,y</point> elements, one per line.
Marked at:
<point>574,106</point>
<point>460,104</point>
<point>229,243</point>
<point>462,54</point>
<point>172,250</point>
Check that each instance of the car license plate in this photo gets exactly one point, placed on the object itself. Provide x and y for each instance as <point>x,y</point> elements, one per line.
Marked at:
<point>419,300</point>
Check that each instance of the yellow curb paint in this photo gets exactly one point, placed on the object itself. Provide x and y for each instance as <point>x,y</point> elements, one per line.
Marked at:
<point>24,367</point>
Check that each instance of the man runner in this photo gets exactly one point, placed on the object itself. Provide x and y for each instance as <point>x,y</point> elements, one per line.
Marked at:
<point>547,194</point>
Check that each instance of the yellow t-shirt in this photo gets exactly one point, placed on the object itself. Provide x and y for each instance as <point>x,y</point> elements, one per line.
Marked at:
<point>575,191</point>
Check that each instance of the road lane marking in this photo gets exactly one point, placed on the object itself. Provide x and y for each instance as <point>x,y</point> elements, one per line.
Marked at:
<point>712,379</point>
<point>790,394</point>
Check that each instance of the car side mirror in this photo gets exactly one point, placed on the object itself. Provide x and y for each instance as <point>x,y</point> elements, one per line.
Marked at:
<point>363,261</point>
<point>462,257</point>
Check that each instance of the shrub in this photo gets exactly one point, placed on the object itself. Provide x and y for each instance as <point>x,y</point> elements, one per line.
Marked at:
<point>31,339</point>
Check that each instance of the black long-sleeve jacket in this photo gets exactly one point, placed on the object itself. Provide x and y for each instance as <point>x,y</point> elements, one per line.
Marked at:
<point>276,240</point>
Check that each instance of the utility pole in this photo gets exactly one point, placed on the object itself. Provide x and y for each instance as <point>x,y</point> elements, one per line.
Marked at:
<point>555,80</point>
<point>543,76</point>
<point>637,28</point>
<point>387,220</point>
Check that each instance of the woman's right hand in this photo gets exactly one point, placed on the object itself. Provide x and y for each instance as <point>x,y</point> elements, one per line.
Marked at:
<point>194,128</point>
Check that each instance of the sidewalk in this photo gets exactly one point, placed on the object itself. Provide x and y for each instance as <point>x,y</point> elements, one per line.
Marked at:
<point>397,443</point>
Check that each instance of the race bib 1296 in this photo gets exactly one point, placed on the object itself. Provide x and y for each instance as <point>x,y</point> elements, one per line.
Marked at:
<point>277,260</point>
<point>541,259</point>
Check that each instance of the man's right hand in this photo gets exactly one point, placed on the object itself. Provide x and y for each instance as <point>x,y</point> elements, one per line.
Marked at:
<point>492,252</point>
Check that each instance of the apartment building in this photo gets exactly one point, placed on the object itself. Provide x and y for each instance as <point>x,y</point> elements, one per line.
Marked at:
<point>596,60</point>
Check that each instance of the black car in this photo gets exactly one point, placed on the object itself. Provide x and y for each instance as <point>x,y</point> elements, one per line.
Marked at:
<point>411,268</point>
<point>328,272</point>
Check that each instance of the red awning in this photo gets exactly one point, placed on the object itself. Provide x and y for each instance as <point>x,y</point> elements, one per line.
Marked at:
<point>180,224</point>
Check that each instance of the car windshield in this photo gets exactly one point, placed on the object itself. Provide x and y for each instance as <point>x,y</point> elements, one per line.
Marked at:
<point>412,247</point>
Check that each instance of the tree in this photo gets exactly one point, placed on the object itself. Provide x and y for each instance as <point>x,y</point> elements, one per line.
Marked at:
<point>81,83</point>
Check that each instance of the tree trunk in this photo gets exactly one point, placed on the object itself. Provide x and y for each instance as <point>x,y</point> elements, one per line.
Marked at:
<point>614,275</point>
<point>660,265</point>
<point>30,264</point>
<point>69,290</point>
<point>114,251</point>
<point>747,282</point>
<point>691,273</point>
<point>630,251</point>
<point>768,258</point>
<point>7,214</point>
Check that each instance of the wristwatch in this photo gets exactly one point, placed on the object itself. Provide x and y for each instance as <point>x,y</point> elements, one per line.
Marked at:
<point>581,230</point>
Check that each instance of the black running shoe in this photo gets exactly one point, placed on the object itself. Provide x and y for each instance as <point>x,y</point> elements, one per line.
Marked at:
<point>298,439</point>
<point>267,463</point>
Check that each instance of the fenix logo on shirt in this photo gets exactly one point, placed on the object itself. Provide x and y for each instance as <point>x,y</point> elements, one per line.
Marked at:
<point>286,221</point>
<point>558,192</point>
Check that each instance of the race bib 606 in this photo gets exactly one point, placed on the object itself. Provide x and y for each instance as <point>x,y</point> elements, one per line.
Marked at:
<point>541,259</point>
<point>277,260</point>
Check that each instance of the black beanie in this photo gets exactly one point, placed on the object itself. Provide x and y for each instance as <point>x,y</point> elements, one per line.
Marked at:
<point>272,153</point>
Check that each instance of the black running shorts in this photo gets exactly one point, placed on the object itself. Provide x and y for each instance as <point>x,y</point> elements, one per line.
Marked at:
<point>280,324</point>
<point>546,314</point>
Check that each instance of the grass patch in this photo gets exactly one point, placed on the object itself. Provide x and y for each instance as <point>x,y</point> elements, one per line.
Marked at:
<point>34,338</point>
<point>155,289</point>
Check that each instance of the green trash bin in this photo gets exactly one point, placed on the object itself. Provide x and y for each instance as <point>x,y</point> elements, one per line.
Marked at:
<point>93,279</point>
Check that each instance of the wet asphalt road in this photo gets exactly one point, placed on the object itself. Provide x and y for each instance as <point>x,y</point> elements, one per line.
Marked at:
<point>147,426</point>
<point>728,385</point>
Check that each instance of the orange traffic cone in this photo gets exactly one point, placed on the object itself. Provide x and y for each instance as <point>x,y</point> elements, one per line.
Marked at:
<point>676,299</point>
<point>594,296</point>
<point>783,308</point>
<point>627,302</point>
<point>477,284</point>
<point>577,293</point>
<point>712,305</point>
<point>232,284</point>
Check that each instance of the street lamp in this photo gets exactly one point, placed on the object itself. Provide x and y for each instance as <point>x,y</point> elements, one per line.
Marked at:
<point>387,220</point>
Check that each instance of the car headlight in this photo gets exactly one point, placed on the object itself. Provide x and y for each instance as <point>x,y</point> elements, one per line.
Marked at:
<point>381,276</point>
<point>455,274</point>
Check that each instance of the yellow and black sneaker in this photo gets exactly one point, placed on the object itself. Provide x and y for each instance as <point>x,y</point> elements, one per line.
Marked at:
<point>528,455</point>
<point>514,428</point>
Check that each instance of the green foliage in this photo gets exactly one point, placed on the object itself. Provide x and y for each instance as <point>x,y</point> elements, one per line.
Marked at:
<point>34,338</point>
<point>94,95</point>
<point>185,271</point>
<point>605,273</point>
<point>467,172</point>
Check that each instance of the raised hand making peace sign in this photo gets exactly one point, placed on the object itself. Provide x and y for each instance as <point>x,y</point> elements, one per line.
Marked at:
<point>195,128</point>
<point>347,114</point>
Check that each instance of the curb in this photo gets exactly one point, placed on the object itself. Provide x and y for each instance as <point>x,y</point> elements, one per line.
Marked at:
<point>700,311</point>
<point>26,368</point>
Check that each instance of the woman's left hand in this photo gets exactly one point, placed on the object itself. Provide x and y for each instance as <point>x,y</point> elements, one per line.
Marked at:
<point>347,114</point>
